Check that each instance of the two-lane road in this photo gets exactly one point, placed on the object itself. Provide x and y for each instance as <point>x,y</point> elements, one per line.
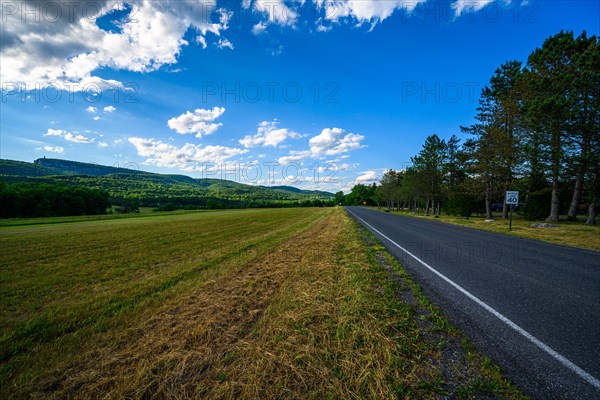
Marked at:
<point>534,307</point>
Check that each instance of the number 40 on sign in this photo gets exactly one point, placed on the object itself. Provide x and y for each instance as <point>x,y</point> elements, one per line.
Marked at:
<point>512,199</point>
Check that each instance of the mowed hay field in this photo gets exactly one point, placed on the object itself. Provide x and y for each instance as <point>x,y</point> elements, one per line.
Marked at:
<point>257,304</point>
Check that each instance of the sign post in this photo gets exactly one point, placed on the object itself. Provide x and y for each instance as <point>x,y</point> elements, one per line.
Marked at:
<point>512,199</point>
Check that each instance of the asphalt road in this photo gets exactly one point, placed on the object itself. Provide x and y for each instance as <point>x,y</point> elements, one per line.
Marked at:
<point>533,307</point>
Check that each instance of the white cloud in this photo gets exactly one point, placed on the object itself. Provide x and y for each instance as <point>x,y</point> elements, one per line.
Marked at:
<point>189,156</point>
<point>323,28</point>
<point>102,145</point>
<point>277,11</point>
<point>70,136</point>
<point>471,6</point>
<point>53,149</point>
<point>367,178</point>
<point>55,132</point>
<point>334,141</point>
<point>223,43</point>
<point>269,134</point>
<point>376,11</point>
<point>330,142</point>
<point>97,118</point>
<point>91,110</point>
<point>77,138</point>
<point>364,11</point>
<point>68,50</point>
<point>109,109</point>
<point>259,28</point>
<point>295,156</point>
<point>200,122</point>
<point>202,41</point>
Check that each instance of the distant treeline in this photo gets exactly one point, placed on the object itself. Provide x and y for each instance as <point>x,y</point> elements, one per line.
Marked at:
<point>218,204</point>
<point>50,199</point>
<point>25,199</point>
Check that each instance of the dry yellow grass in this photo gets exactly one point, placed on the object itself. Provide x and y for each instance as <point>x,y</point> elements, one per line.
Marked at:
<point>319,316</point>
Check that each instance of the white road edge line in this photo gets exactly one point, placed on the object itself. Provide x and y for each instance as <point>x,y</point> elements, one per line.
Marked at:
<point>564,361</point>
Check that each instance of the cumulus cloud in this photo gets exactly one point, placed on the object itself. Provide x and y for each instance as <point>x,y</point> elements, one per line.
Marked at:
<point>68,49</point>
<point>91,110</point>
<point>77,138</point>
<point>334,141</point>
<point>259,28</point>
<point>102,145</point>
<point>223,43</point>
<point>188,157</point>
<point>295,156</point>
<point>109,109</point>
<point>200,122</point>
<point>70,136</point>
<point>269,134</point>
<point>55,132</point>
<point>330,142</point>
<point>366,178</point>
<point>52,149</point>
<point>202,41</point>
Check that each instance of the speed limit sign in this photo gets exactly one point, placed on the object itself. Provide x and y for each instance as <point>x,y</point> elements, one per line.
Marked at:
<point>512,198</point>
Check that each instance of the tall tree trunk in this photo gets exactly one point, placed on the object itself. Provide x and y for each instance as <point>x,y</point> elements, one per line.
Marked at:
<point>594,195</point>
<point>591,219</point>
<point>574,207</point>
<point>555,203</point>
<point>504,209</point>
<point>488,201</point>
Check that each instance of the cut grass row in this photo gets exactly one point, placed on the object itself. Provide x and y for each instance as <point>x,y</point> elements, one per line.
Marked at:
<point>72,280</point>
<point>277,304</point>
<point>568,233</point>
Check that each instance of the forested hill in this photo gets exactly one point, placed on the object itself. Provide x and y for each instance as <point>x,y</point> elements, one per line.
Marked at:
<point>126,185</point>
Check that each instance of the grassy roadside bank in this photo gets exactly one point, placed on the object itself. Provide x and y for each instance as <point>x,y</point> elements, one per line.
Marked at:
<point>574,234</point>
<point>315,309</point>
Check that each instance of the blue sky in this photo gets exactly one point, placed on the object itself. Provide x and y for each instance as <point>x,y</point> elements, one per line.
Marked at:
<point>314,94</point>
